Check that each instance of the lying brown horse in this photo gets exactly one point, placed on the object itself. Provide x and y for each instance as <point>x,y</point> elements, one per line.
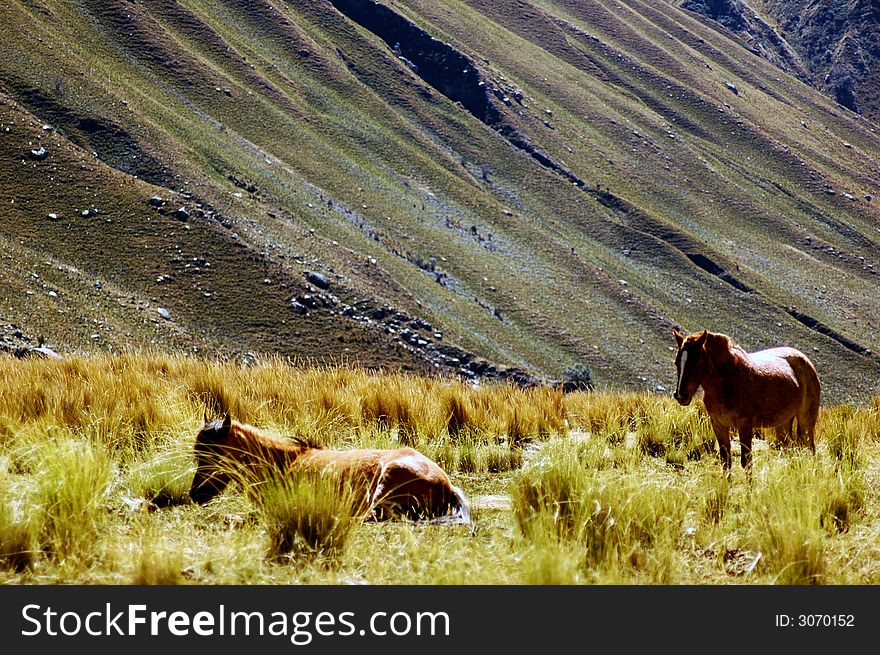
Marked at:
<point>391,483</point>
<point>744,391</point>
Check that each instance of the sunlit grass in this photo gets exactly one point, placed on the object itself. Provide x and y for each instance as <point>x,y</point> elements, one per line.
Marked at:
<point>309,517</point>
<point>603,488</point>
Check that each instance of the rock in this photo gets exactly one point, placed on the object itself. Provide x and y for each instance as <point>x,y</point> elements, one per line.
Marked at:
<point>732,87</point>
<point>53,217</point>
<point>157,201</point>
<point>39,154</point>
<point>297,307</point>
<point>318,279</point>
<point>182,214</point>
<point>164,313</point>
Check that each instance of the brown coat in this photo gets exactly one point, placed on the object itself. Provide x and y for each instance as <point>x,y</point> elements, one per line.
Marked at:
<point>744,391</point>
<point>393,483</point>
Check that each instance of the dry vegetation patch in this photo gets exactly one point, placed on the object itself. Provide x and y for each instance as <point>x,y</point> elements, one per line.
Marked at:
<point>601,487</point>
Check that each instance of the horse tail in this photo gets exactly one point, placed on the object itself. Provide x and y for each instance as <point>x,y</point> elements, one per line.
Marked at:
<point>809,413</point>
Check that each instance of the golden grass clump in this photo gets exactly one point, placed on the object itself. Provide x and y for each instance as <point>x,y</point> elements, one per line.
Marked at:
<point>163,479</point>
<point>18,533</point>
<point>157,563</point>
<point>615,523</point>
<point>309,517</point>
<point>72,486</point>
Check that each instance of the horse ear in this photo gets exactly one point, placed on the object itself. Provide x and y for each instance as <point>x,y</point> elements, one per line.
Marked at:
<point>227,421</point>
<point>701,339</point>
<point>679,337</point>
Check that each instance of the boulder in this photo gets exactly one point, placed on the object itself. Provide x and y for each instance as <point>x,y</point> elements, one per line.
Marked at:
<point>318,279</point>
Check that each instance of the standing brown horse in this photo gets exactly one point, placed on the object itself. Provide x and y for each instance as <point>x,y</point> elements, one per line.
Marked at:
<point>743,391</point>
<point>391,483</point>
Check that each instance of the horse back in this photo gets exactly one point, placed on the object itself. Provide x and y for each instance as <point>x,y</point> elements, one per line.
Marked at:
<point>397,481</point>
<point>786,361</point>
<point>374,463</point>
<point>786,377</point>
<point>766,387</point>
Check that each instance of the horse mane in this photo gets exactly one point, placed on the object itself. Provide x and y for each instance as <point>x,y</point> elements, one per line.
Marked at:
<point>724,348</point>
<point>270,440</point>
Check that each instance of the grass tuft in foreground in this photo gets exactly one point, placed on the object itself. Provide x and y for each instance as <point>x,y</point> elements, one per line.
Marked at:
<point>309,517</point>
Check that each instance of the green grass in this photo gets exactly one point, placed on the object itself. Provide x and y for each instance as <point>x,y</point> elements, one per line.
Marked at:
<point>97,497</point>
<point>71,487</point>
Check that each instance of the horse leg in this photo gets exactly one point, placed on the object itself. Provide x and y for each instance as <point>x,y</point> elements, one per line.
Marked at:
<point>722,434</point>
<point>806,427</point>
<point>745,443</point>
<point>785,433</point>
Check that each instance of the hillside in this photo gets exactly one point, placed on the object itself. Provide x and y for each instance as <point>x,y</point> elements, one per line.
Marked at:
<point>534,184</point>
<point>833,46</point>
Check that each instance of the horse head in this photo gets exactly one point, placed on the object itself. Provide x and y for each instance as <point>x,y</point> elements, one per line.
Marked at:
<point>690,364</point>
<point>211,477</point>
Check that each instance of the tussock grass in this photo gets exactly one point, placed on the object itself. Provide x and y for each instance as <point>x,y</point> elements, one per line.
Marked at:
<point>309,517</point>
<point>18,533</point>
<point>163,479</point>
<point>785,522</point>
<point>96,463</point>
<point>71,488</point>
<point>715,500</point>
<point>158,563</point>
<point>615,522</point>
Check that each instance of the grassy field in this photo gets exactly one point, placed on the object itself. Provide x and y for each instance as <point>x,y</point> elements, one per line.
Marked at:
<point>95,465</point>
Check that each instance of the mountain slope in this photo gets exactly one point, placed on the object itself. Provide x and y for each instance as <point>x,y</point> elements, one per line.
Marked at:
<point>539,183</point>
<point>834,46</point>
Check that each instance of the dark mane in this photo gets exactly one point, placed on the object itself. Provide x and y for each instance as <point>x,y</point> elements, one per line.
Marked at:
<point>259,435</point>
<point>308,442</point>
<point>217,432</point>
